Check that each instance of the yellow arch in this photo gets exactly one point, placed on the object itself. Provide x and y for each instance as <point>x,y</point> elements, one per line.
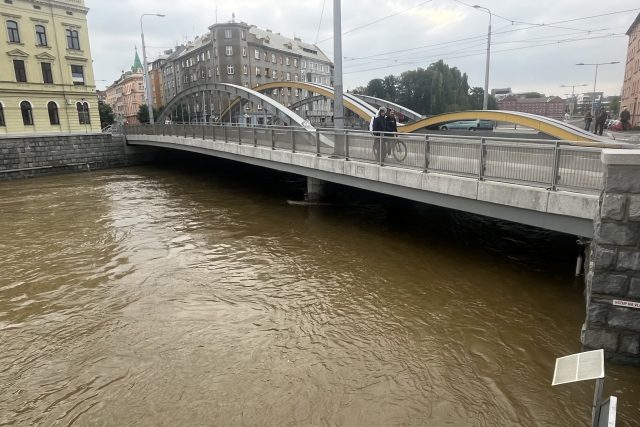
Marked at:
<point>548,126</point>
<point>362,113</point>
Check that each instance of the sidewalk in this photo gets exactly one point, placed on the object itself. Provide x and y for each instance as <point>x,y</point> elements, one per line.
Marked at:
<point>629,136</point>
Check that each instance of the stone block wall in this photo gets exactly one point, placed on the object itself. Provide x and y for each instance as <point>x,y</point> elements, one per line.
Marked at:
<point>613,277</point>
<point>29,156</point>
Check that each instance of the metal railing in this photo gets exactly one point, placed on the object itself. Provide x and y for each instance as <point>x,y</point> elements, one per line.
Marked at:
<point>555,165</point>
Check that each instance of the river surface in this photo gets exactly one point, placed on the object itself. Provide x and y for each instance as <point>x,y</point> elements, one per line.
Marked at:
<point>194,295</point>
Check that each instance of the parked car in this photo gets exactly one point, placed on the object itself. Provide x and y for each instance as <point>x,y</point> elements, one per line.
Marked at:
<point>470,125</point>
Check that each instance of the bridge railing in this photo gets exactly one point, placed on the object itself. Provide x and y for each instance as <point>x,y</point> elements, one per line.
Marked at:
<point>556,165</point>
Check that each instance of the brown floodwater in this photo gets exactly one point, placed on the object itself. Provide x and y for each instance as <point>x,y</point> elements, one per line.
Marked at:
<point>193,294</point>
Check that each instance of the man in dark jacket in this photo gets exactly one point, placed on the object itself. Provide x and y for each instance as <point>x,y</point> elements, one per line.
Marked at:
<point>625,117</point>
<point>600,119</point>
<point>379,127</point>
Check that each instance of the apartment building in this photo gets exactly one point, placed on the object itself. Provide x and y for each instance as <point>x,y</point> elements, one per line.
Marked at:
<point>126,95</point>
<point>245,55</point>
<point>553,107</point>
<point>47,81</point>
<point>631,86</point>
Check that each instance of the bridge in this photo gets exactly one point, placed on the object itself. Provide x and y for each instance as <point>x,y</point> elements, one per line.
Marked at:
<point>552,185</point>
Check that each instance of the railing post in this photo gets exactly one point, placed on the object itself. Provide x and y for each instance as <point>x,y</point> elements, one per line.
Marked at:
<point>204,129</point>
<point>213,131</point>
<point>555,173</point>
<point>346,144</point>
<point>226,136</point>
<point>273,139</point>
<point>184,130</point>
<point>380,150</point>
<point>293,140</point>
<point>482,160</point>
<point>255,137</point>
<point>317,143</point>
<point>239,134</point>
<point>427,152</point>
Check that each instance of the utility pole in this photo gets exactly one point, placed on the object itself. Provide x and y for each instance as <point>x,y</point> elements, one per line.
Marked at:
<point>147,80</point>
<point>338,106</point>
<point>485,100</point>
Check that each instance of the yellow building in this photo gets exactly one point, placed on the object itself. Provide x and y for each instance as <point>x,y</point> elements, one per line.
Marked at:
<point>46,74</point>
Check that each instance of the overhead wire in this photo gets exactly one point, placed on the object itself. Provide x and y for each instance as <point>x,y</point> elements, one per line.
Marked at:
<point>320,23</point>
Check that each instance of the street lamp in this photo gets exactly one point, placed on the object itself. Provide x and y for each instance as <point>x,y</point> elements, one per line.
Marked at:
<point>485,101</point>
<point>147,81</point>
<point>593,101</point>
<point>573,97</point>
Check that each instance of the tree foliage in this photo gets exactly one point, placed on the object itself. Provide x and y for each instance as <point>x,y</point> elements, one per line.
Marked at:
<point>143,114</point>
<point>106,114</point>
<point>435,90</point>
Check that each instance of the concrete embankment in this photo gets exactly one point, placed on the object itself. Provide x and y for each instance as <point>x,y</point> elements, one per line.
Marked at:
<point>36,155</point>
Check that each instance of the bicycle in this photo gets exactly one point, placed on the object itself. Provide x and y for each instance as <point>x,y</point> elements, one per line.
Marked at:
<point>392,147</point>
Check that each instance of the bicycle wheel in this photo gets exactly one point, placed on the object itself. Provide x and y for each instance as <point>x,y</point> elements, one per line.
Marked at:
<point>399,150</point>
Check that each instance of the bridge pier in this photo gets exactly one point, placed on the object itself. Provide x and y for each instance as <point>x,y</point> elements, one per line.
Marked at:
<point>612,290</point>
<point>315,189</point>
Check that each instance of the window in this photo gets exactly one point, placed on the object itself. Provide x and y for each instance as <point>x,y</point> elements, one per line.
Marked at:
<point>41,35</point>
<point>227,34</point>
<point>27,113</point>
<point>287,61</point>
<point>297,92</point>
<point>52,108</point>
<point>230,70</point>
<point>77,75</point>
<point>295,62</point>
<point>14,35</point>
<point>21,72</point>
<point>280,59</point>
<point>228,50</point>
<point>245,70</point>
<point>257,71</point>
<point>304,64</point>
<point>2,121</point>
<point>244,52</point>
<point>288,77</point>
<point>208,54</point>
<point>83,113</point>
<point>209,72</point>
<point>47,75</point>
<point>244,35</point>
<point>256,54</point>
<point>217,70</point>
<point>274,75</point>
<point>273,58</point>
<point>275,92</point>
<point>73,40</point>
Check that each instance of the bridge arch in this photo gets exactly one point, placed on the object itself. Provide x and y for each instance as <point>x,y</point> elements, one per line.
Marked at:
<point>555,128</point>
<point>267,103</point>
<point>361,108</point>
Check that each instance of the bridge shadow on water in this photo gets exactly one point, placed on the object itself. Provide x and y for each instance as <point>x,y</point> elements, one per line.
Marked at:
<point>521,246</point>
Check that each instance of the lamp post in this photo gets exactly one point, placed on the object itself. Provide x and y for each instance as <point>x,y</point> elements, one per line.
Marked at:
<point>338,106</point>
<point>593,100</point>
<point>147,81</point>
<point>485,101</point>
<point>573,97</point>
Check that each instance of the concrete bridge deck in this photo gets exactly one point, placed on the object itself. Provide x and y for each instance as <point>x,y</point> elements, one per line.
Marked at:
<point>549,185</point>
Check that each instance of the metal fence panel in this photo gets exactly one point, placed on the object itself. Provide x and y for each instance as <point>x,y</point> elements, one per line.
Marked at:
<point>523,163</point>
<point>456,156</point>
<point>580,168</point>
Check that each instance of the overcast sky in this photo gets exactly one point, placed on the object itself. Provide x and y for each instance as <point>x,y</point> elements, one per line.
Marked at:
<point>383,37</point>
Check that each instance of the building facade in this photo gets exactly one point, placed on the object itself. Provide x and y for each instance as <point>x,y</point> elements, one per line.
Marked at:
<point>631,86</point>
<point>47,83</point>
<point>245,55</point>
<point>553,107</point>
<point>126,95</point>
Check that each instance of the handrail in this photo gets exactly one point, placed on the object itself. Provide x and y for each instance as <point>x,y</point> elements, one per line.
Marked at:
<point>554,165</point>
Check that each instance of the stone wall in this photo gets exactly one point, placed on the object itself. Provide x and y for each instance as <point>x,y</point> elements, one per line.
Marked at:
<point>613,277</point>
<point>29,156</point>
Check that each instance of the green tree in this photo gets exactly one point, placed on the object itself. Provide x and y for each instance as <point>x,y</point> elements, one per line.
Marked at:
<point>143,114</point>
<point>614,106</point>
<point>106,114</point>
<point>376,88</point>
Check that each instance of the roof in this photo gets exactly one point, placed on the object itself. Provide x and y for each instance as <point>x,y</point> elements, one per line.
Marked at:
<point>196,44</point>
<point>298,47</point>
<point>635,24</point>
<point>137,65</point>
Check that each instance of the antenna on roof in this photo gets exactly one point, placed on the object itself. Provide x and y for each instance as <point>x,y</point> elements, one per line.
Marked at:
<point>233,17</point>
<point>216,13</point>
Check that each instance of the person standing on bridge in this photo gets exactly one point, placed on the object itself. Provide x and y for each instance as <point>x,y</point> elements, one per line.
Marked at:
<point>587,120</point>
<point>600,119</point>
<point>378,127</point>
<point>625,117</point>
